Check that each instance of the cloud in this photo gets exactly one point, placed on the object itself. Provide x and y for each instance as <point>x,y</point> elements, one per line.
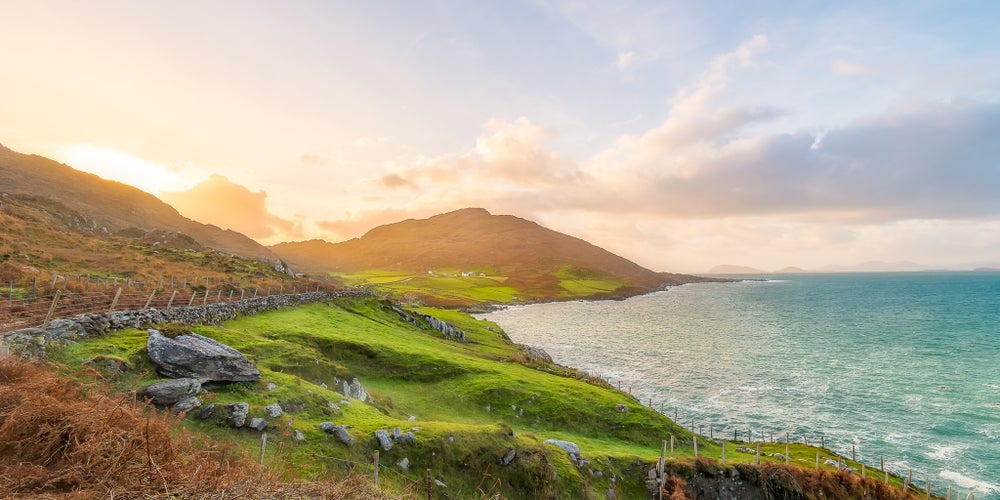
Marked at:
<point>625,60</point>
<point>396,181</point>
<point>223,203</point>
<point>841,67</point>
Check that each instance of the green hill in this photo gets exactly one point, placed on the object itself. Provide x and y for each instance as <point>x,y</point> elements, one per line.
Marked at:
<point>470,255</point>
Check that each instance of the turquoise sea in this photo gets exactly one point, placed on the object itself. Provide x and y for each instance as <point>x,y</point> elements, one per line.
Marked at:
<point>904,366</point>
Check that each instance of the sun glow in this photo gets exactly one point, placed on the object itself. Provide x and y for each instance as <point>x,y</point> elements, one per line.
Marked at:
<point>123,167</point>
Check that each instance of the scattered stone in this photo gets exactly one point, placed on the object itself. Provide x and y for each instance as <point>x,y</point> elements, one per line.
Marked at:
<point>341,433</point>
<point>384,440</point>
<point>298,435</point>
<point>404,464</point>
<point>327,427</point>
<point>571,449</point>
<point>292,406</point>
<point>440,483</point>
<point>621,408</point>
<point>397,433</point>
<point>205,412</point>
<point>411,419</point>
<point>186,404</point>
<point>271,386</point>
<point>323,385</point>
<point>168,392</point>
<point>237,413</point>
<point>195,356</point>
<point>508,458</point>
<point>536,354</point>
<point>408,438</point>
<point>354,389</point>
<point>609,494</point>
<point>273,410</point>
<point>258,423</point>
<point>333,406</point>
<point>488,409</point>
<point>451,439</point>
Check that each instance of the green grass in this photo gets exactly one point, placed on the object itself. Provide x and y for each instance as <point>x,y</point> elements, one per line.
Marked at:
<point>472,402</point>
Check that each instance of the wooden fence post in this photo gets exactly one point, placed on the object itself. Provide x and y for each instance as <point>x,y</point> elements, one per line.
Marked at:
<point>243,292</point>
<point>114,302</point>
<point>171,302</point>
<point>52,309</point>
<point>231,292</point>
<point>191,302</point>
<point>205,301</point>
<point>696,447</point>
<point>430,484</point>
<point>376,467</point>
<point>263,446</point>
<point>853,456</point>
<point>723,452</point>
<point>10,295</point>
<point>787,454</point>
<point>150,299</point>
<point>822,442</point>
<point>255,290</point>
<point>218,297</point>
<point>817,460</point>
<point>758,453</point>
<point>671,445</point>
<point>864,473</point>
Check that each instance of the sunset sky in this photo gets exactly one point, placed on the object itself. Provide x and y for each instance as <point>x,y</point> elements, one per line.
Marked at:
<point>678,134</point>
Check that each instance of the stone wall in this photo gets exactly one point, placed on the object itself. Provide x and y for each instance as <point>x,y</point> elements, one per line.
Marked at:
<point>34,342</point>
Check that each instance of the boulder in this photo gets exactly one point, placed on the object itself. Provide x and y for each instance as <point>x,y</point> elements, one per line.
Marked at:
<point>258,423</point>
<point>345,437</point>
<point>237,413</point>
<point>397,433</point>
<point>508,458</point>
<point>327,427</point>
<point>169,392</point>
<point>621,408</point>
<point>187,404</point>
<point>205,412</point>
<point>273,410</point>
<point>384,440</point>
<point>571,448</point>
<point>408,438</point>
<point>298,435</point>
<point>195,356</point>
<point>354,389</point>
<point>404,464</point>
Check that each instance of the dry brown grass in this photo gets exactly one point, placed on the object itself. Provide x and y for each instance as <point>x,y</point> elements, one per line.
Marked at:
<point>64,439</point>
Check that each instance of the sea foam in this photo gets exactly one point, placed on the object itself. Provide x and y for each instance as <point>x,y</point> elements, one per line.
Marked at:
<point>968,482</point>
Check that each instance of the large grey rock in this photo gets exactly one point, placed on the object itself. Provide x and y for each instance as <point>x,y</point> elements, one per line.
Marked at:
<point>571,448</point>
<point>258,423</point>
<point>205,412</point>
<point>404,464</point>
<point>237,413</point>
<point>384,440</point>
<point>354,389</point>
<point>508,458</point>
<point>169,392</point>
<point>273,410</point>
<point>195,356</point>
<point>408,438</point>
<point>345,437</point>
<point>446,329</point>
<point>187,404</point>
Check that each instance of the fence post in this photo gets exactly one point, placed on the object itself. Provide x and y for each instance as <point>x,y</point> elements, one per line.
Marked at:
<point>822,442</point>
<point>218,298</point>
<point>671,445</point>
<point>817,460</point>
<point>758,453</point>
<point>263,446</point>
<point>696,447</point>
<point>853,456</point>
<point>231,292</point>
<point>376,467</point>
<point>281,291</point>
<point>430,483</point>
<point>663,457</point>
<point>114,302</point>
<point>150,299</point>
<point>52,309</point>
<point>787,454</point>
<point>255,290</point>
<point>10,295</point>
<point>723,452</point>
<point>191,302</point>
<point>205,301</point>
<point>243,292</point>
<point>172,296</point>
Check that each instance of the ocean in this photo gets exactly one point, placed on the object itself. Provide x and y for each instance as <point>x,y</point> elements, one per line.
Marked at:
<point>904,366</point>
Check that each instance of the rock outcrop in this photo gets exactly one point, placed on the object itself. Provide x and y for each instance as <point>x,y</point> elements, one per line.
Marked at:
<point>199,357</point>
<point>170,392</point>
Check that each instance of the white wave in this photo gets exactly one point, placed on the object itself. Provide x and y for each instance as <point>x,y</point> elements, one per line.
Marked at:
<point>968,482</point>
<point>992,386</point>
<point>945,451</point>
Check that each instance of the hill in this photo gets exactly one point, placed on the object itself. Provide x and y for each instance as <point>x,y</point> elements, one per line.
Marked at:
<point>108,207</point>
<point>512,257</point>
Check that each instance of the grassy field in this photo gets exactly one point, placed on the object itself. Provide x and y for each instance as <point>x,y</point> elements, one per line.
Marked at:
<point>471,401</point>
<point>450,287</point>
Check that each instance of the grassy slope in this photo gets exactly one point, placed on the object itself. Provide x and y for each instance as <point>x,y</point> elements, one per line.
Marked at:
<point>446,385</point>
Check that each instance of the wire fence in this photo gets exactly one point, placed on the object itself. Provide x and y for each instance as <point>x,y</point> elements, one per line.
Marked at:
<point>32,303</point>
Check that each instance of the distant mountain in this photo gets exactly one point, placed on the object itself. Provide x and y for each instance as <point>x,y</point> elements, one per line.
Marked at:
<point>533,259</point>
<point>110,207</point>
<point>791,270</point>
<point>733,269</point>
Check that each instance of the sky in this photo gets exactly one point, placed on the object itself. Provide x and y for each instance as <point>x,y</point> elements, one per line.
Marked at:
<point>681,135</point>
